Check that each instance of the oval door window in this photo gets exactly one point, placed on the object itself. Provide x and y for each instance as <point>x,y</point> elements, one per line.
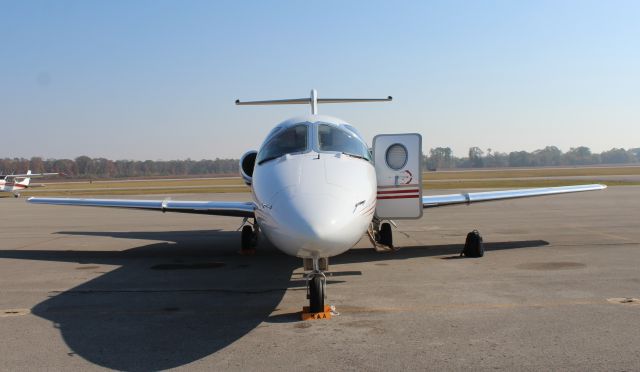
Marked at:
<point>396,156</point>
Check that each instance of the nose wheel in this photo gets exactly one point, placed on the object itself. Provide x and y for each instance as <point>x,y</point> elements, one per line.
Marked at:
<point>316,285</point>
<point>316,293</point>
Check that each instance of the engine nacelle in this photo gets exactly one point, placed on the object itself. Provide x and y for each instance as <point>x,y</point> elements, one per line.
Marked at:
<point>247,163</point>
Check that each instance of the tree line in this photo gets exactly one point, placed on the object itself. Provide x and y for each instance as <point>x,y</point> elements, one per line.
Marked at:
<point>86,167</point>
<point>437,158</point>
<point>443,157</point>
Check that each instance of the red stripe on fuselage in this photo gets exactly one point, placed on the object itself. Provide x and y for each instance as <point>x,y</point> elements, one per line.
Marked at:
<point>399,197</point>
<point>398,186</point>
<point>398,191</point>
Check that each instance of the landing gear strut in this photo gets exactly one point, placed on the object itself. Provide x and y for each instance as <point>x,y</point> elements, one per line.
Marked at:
<point>316,284</point>
<point>473,246</point>
<point>249,239</point>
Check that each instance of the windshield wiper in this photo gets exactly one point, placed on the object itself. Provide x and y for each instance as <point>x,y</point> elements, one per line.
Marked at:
<point>267,159</point>
<point>355,156</point>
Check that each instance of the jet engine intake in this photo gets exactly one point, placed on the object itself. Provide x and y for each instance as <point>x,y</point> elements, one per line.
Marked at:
<point>247,163</point>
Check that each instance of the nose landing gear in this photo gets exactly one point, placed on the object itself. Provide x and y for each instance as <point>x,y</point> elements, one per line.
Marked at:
<point>316,285</point>
<point>315,289</point>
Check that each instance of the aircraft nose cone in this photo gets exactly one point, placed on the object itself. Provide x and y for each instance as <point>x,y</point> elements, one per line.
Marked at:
<point>322,225</point>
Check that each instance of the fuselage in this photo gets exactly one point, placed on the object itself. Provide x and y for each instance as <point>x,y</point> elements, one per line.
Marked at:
<point>12,186</point>
<point>314,186</point>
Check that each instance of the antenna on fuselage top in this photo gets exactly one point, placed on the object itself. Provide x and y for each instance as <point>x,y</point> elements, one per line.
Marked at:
<point>313,100</point>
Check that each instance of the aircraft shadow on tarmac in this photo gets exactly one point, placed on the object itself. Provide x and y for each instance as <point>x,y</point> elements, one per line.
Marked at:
<point>171,303</point>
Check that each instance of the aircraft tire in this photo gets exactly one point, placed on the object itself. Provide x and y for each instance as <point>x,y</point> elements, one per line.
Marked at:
<point>386,236</point>
<point>473,246</point>
<point>316,294</point>
<point>246,239</point>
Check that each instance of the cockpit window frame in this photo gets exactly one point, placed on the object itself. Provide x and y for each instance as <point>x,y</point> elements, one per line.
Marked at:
<point>279,130</point>
<point>346,128</point>
<point>313,140</point>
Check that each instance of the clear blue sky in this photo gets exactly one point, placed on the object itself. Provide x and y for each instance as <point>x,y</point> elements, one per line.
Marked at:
<point>157,79</point>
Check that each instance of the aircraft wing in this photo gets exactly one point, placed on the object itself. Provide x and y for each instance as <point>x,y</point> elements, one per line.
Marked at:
<point>35,175</point>
<point>476,197</point>
<point>235,209</point>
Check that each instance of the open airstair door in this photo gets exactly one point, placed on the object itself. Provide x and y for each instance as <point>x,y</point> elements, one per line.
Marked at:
<point>398,162</point>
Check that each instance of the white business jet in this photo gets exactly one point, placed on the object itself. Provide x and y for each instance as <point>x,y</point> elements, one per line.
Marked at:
<point>14,183</point>
<point>317,188</point>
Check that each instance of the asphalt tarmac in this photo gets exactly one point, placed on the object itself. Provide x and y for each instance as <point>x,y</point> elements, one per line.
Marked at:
<point>89,289</point>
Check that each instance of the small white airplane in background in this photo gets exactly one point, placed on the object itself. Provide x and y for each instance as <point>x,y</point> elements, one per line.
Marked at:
<point>317,188</point>
<point>15,183</point>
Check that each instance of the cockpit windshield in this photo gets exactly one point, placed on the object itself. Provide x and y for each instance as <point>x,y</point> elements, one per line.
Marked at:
<point>288,141</point>
<point>334,138</point>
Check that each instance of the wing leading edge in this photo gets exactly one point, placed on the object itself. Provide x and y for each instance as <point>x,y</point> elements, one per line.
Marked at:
<point>476,197</point>
<point>246,209</point>
<point>234,209</point>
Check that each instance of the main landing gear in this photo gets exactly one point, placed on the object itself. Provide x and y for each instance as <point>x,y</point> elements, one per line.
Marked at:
<point>249,239</point>
<point>381,235</point>
<point>16,195</point>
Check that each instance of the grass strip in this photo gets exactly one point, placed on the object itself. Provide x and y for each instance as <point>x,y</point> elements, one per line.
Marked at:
<point>535,172</point>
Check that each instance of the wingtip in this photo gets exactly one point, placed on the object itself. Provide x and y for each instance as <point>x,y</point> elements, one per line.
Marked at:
<point>596,186</point>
